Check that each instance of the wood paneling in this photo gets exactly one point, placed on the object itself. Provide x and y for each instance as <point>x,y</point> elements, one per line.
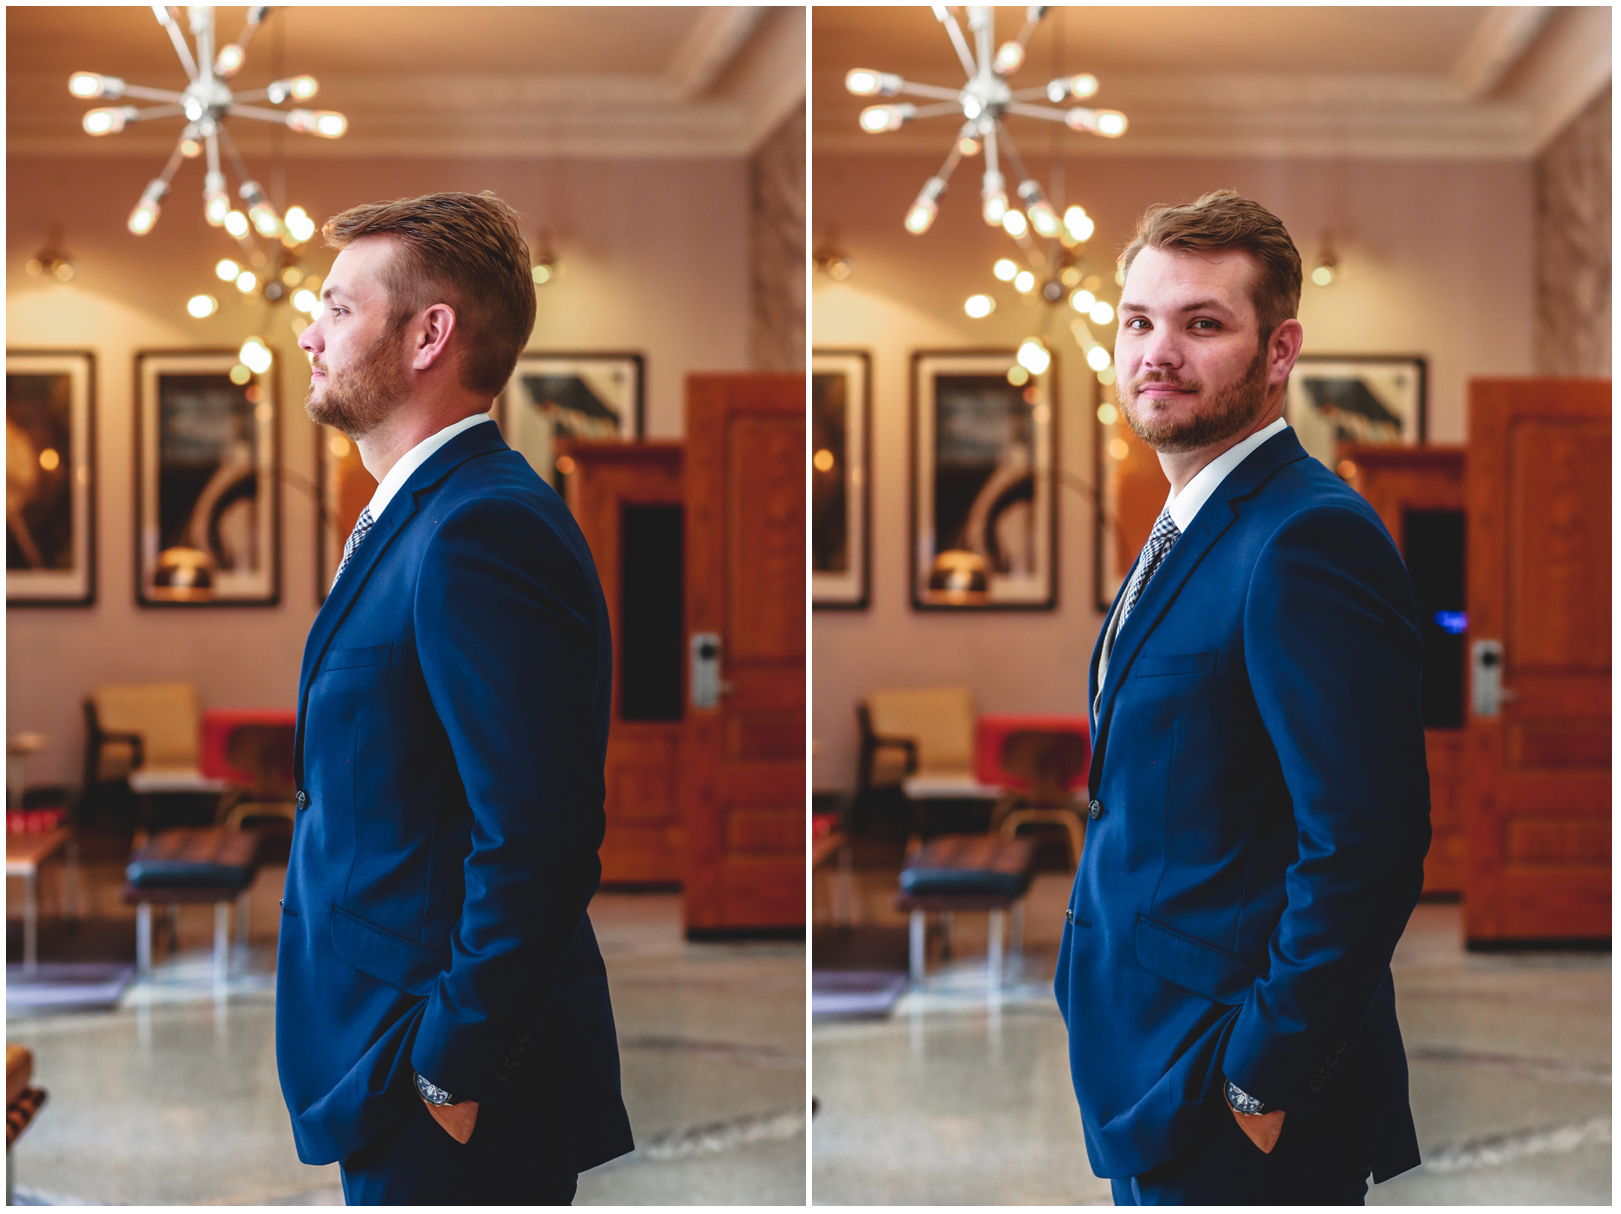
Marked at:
<point>1538,779</point>
<point>743,780</point>
<point>645,841</point>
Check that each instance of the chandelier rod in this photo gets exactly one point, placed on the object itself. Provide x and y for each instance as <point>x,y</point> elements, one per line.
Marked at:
<point>947,19</point>
<point>161,12</point>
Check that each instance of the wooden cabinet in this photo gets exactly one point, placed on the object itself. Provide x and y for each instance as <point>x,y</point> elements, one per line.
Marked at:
<point>627,499</point>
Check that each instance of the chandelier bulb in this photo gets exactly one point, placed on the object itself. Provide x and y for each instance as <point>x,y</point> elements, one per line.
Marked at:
<point>993,194</point>
<point>229,61</point>
<point>328,124</point>
<point>1014,223</point>
<point>85,85</point>
<point>108,120</point>
<point>1009,58</point>
<point>864,82</point>
<point>876,119</point>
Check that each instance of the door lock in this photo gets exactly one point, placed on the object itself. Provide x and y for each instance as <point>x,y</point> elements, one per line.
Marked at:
<point>1486,678</point>
<point>707,686</point>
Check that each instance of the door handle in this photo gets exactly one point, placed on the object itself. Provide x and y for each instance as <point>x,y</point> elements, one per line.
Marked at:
<point>707,685</point>
<point>1486,678</point>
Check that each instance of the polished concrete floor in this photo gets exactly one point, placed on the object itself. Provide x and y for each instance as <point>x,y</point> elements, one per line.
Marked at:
<point>953,1100</point>
<point>173,1099</point>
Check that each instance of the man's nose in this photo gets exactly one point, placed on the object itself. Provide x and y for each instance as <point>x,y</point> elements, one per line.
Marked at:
<point>309,339</point>
<point>1162,349</point>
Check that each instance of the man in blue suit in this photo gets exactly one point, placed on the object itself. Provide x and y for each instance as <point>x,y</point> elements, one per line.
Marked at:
<point>1259,795</point>
<point>443,1027</point>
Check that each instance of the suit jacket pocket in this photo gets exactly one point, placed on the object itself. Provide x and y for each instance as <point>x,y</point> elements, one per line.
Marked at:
<point>387,957</point>
<point>1149,665</point>
<point>364,655</point>
<point>1204,969</point>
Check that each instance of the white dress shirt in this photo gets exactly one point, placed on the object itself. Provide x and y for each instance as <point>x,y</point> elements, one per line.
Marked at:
<point>414,459</point>
<point>1185,505</point>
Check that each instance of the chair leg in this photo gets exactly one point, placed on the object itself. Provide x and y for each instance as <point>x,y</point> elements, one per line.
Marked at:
<point>244,911</point>
<point>31,921</point>
<point>1016,945</point>
<point>945,936</point>
<point>143,939</point>
<point>918,942</point>
<point>222,940</point>
<point>993,959</point>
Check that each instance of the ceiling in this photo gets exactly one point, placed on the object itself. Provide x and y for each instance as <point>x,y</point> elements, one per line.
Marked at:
<point>439,80</point>
<point>1453,81</point>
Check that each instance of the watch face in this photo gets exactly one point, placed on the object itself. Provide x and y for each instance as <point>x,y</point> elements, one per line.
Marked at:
<point>431,1093</point>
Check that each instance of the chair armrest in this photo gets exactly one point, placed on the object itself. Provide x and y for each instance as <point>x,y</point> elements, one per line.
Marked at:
<point>132,740</point>
<point>909,745</point>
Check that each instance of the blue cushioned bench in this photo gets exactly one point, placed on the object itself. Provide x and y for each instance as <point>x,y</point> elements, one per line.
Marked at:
<point>192,865</point>
<point>968,873</point>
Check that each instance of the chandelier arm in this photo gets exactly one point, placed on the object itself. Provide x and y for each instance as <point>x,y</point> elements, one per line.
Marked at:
<point>257,95</point>
<point>929,90</point>
<point>953,159</point>
<point>1029,28</point>
<point>256,14</point>
<point>253,111</point>
<point>957,40</point>
<point>985,40</point>
<point>202,29</point>
<point>1035,94</point>
<point>936,111</point>
<point>211,144</point>
<point>146,94</point>
<point>991,163</point>
<point>176,159</point>
<point>155,111</point>
<point>1036,111</point>
<point>1014,159</point>
<point>229,145</point>
<point>161,12</point>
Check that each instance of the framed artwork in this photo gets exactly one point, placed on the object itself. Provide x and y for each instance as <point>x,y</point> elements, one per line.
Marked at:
<point>578,396</point>
<point>841,492</point>
<point>1131,492</point>
<point>984,503</point>
<point>345,488</point>
<point>50,478</point>
<point>207,481</point>
<point>1356,398</point>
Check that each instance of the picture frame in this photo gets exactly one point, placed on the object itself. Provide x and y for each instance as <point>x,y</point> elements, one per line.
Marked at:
<point>51,461</point>
<point>207,481</point>
<point>1131,489</point>
<point>841,491</point>
<point>570,394</point>
<point>984,509</point>
<point>1356,398</point>
<point>344,488</point>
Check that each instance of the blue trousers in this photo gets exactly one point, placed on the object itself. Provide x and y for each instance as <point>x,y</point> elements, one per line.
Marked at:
<point>1320,1161</point>
<point>509,1160</point>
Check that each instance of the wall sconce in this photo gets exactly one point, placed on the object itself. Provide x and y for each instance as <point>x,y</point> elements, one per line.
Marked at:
<point>1326,269</point>
<point>830,257</point>
<point>545,267</point>
<point>52,260</point>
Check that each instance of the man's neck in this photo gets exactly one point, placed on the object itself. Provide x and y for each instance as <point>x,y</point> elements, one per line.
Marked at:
<point>1180,467</point>
<point>386,444</point>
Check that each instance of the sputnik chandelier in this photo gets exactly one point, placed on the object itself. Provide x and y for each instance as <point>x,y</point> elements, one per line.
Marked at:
<point>982,102</point>
<point>206,103</point>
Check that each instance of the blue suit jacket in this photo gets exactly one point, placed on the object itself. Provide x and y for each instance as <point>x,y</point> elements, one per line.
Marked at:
<point>1259,764</point>
<point>453,718</point>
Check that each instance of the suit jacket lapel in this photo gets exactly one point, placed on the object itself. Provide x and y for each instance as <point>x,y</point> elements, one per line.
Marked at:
<point>1213,519</point>
<point>478,440</point>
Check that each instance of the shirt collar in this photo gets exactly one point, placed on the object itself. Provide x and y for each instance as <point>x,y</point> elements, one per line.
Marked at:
<point>414,459</point>
<point>1184,506</point>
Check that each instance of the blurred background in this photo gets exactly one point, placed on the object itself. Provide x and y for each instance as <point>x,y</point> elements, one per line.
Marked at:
<point>977,501</point>
<point>174,521</point>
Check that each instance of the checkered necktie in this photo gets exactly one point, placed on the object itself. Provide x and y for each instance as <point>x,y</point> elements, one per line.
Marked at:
<point>1160,540</point>
<point>362,525</point>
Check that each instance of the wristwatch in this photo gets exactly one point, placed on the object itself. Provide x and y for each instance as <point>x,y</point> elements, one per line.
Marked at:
<point>437,1095</point>
<point>1241,1100</point>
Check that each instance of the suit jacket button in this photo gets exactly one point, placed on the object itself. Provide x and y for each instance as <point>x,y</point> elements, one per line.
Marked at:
<point>302,800</point>
<point>1094,809</point>
<point>1069,915</point>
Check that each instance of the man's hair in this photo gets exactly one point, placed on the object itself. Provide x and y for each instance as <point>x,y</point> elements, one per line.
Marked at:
<point>465,250</point>
<point>1221,220</point>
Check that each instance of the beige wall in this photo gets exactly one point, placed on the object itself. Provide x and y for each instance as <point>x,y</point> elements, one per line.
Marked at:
<point>1438,263</point>
<point>654,257</point>
<point>1573,246</point>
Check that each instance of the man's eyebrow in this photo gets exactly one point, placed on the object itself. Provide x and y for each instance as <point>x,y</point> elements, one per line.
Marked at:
<point>1198,305</point>
<point>329,292</point>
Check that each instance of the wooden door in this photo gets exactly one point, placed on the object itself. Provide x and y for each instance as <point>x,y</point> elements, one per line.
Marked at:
<point>626,498</point>
<point>1539,587</point>
<point>744,774</point>
<point>1424,487</point>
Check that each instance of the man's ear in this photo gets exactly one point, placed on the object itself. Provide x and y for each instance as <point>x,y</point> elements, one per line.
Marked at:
<point>433,331</point>
<point>1282,349</point>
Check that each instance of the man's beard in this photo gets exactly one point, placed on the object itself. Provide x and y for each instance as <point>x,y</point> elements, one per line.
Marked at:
<point>356,402</point>
<point>1231,409</point>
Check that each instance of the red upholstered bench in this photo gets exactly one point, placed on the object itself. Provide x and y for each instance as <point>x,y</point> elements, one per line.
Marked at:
<point>968,873</point>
